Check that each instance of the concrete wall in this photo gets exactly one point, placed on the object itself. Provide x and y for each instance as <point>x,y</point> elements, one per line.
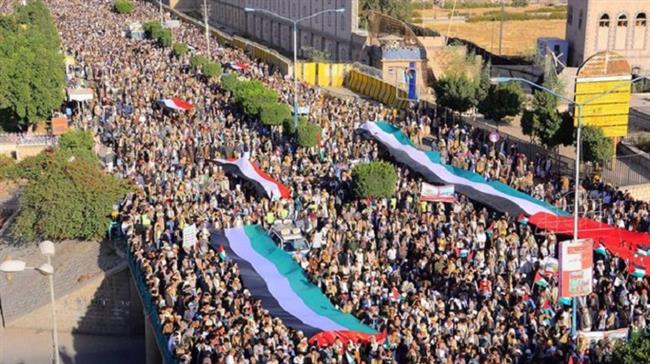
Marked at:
<point>106,305</point>
<point>639,192</point>
<point>20,152</point>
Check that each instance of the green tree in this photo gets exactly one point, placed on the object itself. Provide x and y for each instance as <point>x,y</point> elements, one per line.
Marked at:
<point>275,113</point>
<point>456,92</point>
<point>180,49</point>
<point>543,121</point>
<point>484,83</point>
<point>152,29</point>
<point>165,38</point>
<point>400,9</point>
<point>212,70</point>
<point>375,179</point>
<point>31,66</point>
<point>596,147</point>
<point>634,351</point>
<point>123,6</point>
<point>308,134</point>
<point>229,82</point>
<point>252,95</point>
<point>79,144</point>
<point>66,199</point>
<point>197,61</point>
<point>501,101</point>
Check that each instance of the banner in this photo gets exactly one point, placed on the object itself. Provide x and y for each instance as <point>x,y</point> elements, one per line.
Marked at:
<point>433,193</point>
<point>410,80</point>
<point>594,336</point>
<point>189,236</point>
<point>576,267</point>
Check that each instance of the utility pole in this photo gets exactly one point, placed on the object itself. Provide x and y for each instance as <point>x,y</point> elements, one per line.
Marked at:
<point>161,11</point>
<point>501,27</point>
<point>207,27</point>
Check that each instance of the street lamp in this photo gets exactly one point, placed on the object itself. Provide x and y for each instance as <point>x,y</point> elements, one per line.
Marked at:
<point>13,266</point>
<point>295,46</point>
<point>579,107</point>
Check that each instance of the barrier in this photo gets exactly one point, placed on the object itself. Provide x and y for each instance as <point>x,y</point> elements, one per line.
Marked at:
<point>322,74</point>
<point>382,91</point>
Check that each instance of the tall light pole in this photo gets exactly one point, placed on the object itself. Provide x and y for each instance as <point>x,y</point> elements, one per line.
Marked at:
<point>579,108</point>
<point>161,11</point>
<point>207,27</point>
<point>295,46</point>
<point>46,269</point>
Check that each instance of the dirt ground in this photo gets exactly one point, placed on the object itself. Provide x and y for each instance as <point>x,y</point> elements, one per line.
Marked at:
<point>437,11</point>
<point>519,37</point>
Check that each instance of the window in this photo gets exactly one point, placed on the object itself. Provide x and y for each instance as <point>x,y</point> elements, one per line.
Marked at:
<point>622,20</point>
<point>570,15</point>
<point>641,20</point>
<point>604,21</point>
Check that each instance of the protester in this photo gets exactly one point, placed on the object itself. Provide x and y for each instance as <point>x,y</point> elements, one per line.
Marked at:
<point>448,283</point>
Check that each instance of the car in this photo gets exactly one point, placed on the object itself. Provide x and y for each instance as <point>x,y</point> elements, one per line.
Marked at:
<point>289,237</point>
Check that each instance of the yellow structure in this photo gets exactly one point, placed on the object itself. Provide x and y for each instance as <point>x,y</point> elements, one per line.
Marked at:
<point>603,87</point>
<point>322,74</point>
<point>376,89</point>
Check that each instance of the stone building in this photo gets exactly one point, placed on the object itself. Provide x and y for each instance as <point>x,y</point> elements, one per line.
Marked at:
<point>620,26</point>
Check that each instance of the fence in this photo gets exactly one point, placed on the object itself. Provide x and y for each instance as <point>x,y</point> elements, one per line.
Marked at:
<point>322,74</point>
<point>149,309</point>
<point>376,89</point>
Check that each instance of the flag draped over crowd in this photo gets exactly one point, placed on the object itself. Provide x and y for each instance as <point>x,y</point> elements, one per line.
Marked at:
<point>280,283</point>
<point>262,181</point>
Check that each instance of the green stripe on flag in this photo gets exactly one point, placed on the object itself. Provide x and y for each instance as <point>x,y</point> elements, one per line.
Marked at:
<point>310,294</point>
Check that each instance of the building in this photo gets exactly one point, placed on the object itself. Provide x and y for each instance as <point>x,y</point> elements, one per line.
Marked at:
<point>620,26</point>
<point>334,35</point>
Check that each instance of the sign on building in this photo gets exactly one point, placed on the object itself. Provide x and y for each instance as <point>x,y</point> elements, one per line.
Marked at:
<point>576,267</point>
<point>603,87</point>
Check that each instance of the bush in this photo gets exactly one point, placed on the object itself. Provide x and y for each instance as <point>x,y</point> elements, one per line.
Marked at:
<point>165,38</point>
<point>230,82</point>
<point>212,70</point>
<point>375,179</point>
<point>180,49</point>
<point>308,134</point>
<point>79,144</point>
<point>252,95</point>
<point>152,29</point>
<point>636,350</point>
<point>596,147</point>
<point>197,61</point>
<point>275,113</point>
<point>123,6</point>
<point>66,199</point>
<point>8,167</point>
<point>519,3</point>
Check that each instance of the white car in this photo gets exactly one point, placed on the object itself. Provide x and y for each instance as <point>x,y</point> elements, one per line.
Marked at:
<point>288,237</point>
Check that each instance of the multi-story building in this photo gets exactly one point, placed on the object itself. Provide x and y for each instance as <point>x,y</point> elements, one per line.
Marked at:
<point>620,26</point>
<point>332,34</point>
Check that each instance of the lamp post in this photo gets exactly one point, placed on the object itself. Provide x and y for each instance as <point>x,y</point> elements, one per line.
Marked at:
<point>579,108</point>
<point>295,46</point>
<point>13,266</point>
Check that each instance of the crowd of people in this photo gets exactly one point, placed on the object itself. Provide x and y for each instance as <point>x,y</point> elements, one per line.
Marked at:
<point>448,283</point>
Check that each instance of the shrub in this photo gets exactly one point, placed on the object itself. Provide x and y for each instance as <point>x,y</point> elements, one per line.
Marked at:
<point>66,199</point>
<point>519,3</point>
<point>180,49</point>
<point>375,179</point>
<point>165,38</point>
<point>212,70</point>
<point>152,29</point>
<point>8,167</point>
<point>275,113</point>
<point>79,144</point>
<point>197,61</point>
<point>597,147</point>
<point>123,6</point>
<point>308,134</point>
<point>230,82</point>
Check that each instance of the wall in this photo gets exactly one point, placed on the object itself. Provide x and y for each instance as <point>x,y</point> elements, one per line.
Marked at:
<point>376,89</point>
<point>322,74</point>
<point>106,305</point>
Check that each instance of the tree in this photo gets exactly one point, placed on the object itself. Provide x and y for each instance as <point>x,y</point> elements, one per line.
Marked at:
<point>308,134</point>
<point>212,70</point>
<point>636,350</point>
<point>152,29</point>
<point>400,9</point>
<point>275,113</point>
<point>229,82</point>
<point>596,147</point>
<point>123,6</point>
<point>484,83</point>
<point>79,144</point>
<point>543,121</point>
<point>375,179</point>
<point>165,38</point>
<point>456,92</point>
<point>66,199</point>
<point>31,66</point>
<point>501,101</point>
<point>197,61</point>
<point>252,95</point>
<point>180,49</point>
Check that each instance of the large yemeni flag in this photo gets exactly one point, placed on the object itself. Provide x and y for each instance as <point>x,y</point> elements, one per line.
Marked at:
<point>176,104</point>
<point>272,276</point>
<point>263,182</point>
<point>494,194</point>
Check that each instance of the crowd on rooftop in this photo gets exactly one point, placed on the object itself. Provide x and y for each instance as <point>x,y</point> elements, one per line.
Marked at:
<point>448,283</point>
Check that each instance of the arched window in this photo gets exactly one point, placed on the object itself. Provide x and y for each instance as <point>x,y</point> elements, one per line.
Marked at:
<point>622,20</point>
<point>604,21</point>
<point>641,20</point>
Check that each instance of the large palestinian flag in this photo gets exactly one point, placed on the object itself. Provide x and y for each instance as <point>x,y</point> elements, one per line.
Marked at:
<point>262,181</point>
<point>494,194</point>
<point>286,292</point>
